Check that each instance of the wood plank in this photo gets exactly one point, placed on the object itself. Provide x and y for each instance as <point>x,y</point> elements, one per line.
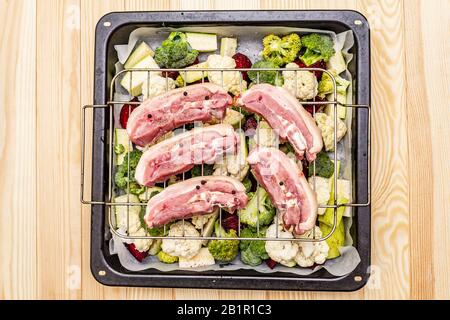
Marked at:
<point>91,12</point>
<point>18,150</point>
<point>428,83</point>
<point>390,189</point>
<point>58,156</point>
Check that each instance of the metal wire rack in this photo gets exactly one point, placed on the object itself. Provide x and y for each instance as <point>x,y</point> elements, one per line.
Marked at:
<point>110,204</point>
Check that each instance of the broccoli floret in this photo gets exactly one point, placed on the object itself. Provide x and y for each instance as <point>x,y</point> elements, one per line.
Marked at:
<point>224,250</point>
<point>326,85</point>
<point>253,252</point>
<point>208,170</point>
<point>318,47</point>
<point>251,214</point>
<point>175,52</point>
<point>166,258</point>
<point>324,166</point>
<point>123,178</point>
<point>271,77</point>
<point>281,51</point>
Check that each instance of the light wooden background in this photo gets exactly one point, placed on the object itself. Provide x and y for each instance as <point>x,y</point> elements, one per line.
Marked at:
<point>46,74</point>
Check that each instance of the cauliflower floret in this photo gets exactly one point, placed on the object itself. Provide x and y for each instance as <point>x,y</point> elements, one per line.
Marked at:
<point>310,253</point>
<point>302,84</point>
<point>322,191</point>
<point>182,247</point>
<point>326,125</point>
<point>141,245</point>
<point>231,79</point>
<point>158,85</point>
<point>283,252</point>
<point>201,220</point>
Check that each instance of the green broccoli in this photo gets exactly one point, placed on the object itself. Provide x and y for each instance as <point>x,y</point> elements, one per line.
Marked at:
<point>271,77</point>
<point>253,252</point>
<point>123,178</point>
<point>281,51</point>
<point>251,214</point>
<point>208,170</point>
<point>166,258</point>
<point>324,166</point>
<point>318,47</point>
<point>175,52</point>
<point>326,85</point>
<point>119,148</point>
<point>224,250</point>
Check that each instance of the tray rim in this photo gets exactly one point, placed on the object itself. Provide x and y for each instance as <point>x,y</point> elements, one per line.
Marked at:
<point>112,277</point>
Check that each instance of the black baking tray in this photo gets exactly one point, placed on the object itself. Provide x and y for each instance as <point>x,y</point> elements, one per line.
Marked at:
<point>115,28</point>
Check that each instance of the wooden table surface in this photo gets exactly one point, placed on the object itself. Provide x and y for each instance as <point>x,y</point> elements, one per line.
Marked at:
<point>46,50</point>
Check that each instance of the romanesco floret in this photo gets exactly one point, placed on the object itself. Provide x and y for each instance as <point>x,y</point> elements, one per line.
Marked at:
<point>310,253</point>
<point>318,47</point>
<point>175,52</point>
<point>230,80</point>
<point>326,125</point>
<point>281,50</point>
<point>283,252</point>
<point>224,250</point>
<point>182,247</point>
<point>326,85</point>
<point>166,258</point>
<point>302,84</point>
<point>156,86</point>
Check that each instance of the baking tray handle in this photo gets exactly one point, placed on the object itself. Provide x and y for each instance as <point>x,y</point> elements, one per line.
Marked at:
<point>366,107</point>
<point>83,149</point>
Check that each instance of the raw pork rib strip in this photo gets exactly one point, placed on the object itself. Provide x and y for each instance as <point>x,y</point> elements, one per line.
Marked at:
<point>181,152</point>
<point>196,196</point>
<point>161,114</point>
<point>287,187</point>
<point>286,116</point>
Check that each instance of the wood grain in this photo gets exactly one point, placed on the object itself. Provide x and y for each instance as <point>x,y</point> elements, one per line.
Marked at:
<point>50,47</point>
<point>428,86</point>
<point>58,137</point>
<point>390,193</point>
<point>18,150</point>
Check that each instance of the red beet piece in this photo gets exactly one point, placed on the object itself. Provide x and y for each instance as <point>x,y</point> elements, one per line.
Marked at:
<point>135,253</point>
<point>230,221</point>
<point>270,263</point>
<point>242,62</point>
<point>126,111</point>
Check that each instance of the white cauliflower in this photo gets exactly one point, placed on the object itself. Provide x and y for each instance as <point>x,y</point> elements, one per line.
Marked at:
<point>231,79</point>
<point>127,217</point>
<point>283,252</point>
<point>200,220</point>
<point>158,85</point>
<point>141,245</point>
<point>185,248</point>
<point>234,165</point>
<point>310,253</point>
<point>326,125</point>
<point>302,84</point>
<point>323,190</point>
<point>264,136</point>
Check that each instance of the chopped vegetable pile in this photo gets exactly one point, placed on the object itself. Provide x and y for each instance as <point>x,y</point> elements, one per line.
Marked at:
<point>290,53</point>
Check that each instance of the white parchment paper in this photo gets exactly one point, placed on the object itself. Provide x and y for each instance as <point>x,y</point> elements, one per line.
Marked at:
<point>250,44</point>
